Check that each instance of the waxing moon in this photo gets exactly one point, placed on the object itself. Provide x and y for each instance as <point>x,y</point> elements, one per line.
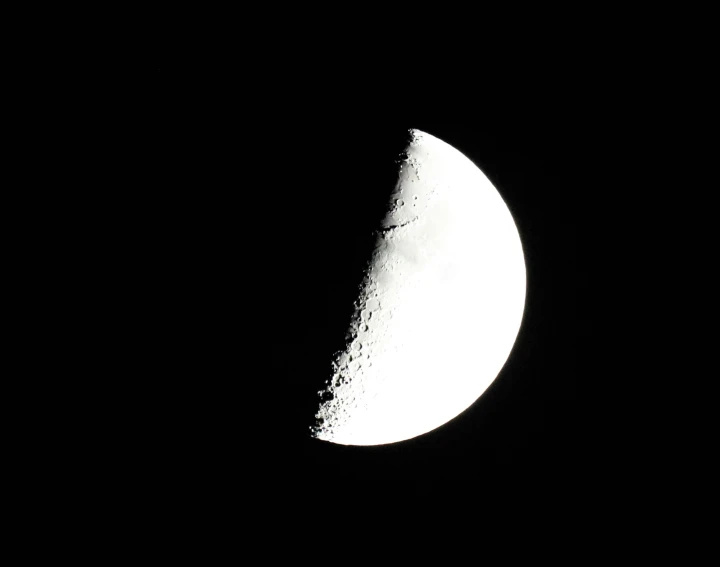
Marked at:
<point>439,307</point>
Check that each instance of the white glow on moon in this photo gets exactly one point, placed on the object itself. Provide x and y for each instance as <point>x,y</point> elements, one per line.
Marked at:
<point>439,309</point>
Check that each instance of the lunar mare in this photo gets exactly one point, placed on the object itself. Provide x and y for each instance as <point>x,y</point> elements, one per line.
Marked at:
<point>439,307</point>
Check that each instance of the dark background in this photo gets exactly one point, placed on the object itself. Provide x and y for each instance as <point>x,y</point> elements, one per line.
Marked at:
<point>252,218</point>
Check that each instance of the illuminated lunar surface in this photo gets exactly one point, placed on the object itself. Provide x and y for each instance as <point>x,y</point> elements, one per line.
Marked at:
<point>439,309</point>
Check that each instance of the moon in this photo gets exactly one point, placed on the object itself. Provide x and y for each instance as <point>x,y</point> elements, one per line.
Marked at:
<point>439,307</point>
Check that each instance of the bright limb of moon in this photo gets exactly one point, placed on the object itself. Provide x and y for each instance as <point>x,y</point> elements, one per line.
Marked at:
<point>439,308</point>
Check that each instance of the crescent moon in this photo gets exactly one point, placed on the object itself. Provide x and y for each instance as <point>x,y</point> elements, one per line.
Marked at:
<point>439,308</point>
